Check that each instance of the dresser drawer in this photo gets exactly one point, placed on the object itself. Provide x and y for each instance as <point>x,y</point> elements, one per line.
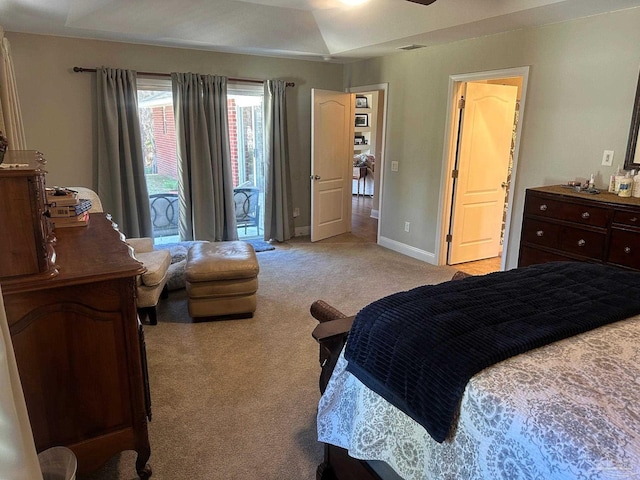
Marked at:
<point>624,248</point>
<point>533,256</point>
<point>539,232</point>
<point>584,214</point>
<point>627,218</point>
<point>542,206</point>
<point>582,242</point>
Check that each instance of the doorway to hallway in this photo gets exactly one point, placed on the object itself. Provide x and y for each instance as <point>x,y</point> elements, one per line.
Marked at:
<point>363,225</point>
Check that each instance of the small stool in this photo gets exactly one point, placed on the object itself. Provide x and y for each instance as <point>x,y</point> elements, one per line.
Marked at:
<point>222,279</point>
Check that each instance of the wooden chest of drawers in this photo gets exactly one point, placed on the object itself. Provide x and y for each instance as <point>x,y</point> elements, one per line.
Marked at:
<point>562,224</point>
<point>80,349</point>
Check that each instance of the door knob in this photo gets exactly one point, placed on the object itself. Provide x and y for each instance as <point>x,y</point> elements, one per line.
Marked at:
<point>504,184</point>
<point>315,177</point>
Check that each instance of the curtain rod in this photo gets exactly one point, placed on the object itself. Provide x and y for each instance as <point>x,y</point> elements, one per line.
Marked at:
<point>155,74</point>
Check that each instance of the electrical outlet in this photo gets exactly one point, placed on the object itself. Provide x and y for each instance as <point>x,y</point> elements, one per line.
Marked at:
<point>296,212</point>
<point>407,226</point>
<point>607,158</point>
<point>394,166</point>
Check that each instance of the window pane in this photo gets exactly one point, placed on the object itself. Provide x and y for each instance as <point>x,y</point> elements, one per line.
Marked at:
<point>155,107</point>
<point>245,115</point>
<point>246,132</point>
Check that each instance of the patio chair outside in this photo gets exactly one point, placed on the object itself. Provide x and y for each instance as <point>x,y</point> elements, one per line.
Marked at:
<point>164,214</point>
<point>247,207</point>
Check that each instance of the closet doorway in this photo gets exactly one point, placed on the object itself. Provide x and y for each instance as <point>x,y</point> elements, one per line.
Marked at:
<point>480,166</point>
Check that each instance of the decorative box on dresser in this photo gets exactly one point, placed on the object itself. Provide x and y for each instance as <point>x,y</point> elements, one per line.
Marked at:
<point>28,241</point>
<point>80,347</point>
<point>560,223</point>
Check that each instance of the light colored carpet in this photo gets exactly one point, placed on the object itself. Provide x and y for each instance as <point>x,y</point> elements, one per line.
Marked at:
<point>237,399</point>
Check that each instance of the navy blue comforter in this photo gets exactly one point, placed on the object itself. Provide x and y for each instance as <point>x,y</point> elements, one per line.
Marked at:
<point>418,349</point>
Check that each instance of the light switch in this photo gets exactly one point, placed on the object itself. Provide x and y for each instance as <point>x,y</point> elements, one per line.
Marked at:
<point>394,166</point>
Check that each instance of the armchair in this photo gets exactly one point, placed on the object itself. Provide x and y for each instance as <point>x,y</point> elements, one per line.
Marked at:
<point>152,284</point>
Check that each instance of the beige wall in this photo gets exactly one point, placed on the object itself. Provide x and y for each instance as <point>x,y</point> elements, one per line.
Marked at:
<point>580,95</point>
<point>581,87</point>
<point>58,105</point>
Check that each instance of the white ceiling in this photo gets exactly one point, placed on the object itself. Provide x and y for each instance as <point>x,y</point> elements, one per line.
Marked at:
<point>303,29</point>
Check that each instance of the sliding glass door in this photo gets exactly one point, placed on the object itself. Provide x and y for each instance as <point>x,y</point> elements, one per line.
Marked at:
<point>246,132</point>
<point>245,105</point>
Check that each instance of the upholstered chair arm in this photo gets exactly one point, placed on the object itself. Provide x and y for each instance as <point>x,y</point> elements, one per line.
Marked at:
<point>141,245</point>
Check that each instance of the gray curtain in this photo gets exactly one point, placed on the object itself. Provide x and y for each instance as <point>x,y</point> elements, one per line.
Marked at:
<point>204,157</point>
<point>278,208</point>
<point>119,173</point>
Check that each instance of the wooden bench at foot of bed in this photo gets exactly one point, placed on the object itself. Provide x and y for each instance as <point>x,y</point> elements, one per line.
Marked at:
<point>331,334</point>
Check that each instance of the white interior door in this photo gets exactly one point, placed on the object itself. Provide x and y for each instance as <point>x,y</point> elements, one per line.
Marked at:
<point>331,168</point>
<point>483,160</point>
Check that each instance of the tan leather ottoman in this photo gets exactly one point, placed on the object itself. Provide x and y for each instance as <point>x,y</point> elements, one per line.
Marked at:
<point>222,279</point>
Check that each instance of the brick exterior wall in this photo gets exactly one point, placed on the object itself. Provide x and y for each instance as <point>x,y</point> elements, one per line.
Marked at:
<point>233,139</point>
<point>164,132</point>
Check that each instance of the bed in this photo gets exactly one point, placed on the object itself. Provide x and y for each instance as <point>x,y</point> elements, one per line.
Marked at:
<point>565,410</point>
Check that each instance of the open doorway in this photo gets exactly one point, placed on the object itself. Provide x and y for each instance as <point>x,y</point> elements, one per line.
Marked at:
<point>341,136</point>
<point>368,159</point>
<point>479,168</point>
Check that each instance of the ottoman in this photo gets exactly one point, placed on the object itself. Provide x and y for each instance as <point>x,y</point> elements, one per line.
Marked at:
<point>221,279</point>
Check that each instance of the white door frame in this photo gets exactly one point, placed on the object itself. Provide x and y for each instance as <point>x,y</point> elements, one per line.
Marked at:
<point>444,215</point>
<point>379,161</point>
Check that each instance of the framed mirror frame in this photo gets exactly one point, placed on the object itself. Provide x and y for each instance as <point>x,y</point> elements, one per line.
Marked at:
<point>632,158</point>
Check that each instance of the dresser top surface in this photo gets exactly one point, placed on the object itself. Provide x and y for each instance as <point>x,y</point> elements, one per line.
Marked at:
<point>22,162</point>
<point>85,254</point>
<point>603,196</point>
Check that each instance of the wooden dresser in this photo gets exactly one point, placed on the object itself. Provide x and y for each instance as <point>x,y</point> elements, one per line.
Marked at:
<point>80,348</point>
<point>562,224</point>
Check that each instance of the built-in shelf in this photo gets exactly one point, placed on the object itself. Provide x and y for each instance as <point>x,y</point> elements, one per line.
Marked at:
<point>367,134</point>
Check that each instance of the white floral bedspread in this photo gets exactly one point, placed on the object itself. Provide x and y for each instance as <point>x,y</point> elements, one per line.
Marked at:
<point>569,410</point>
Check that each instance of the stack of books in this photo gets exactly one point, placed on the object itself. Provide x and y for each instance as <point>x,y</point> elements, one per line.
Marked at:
<point>66,209</point>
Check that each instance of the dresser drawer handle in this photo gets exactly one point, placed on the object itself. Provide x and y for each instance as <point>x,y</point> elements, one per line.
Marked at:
<point>543,208</point>
<point>634,219</point>
<point>581,243</point>
<point>540,233</point>
<point>627,249</point>
<point>585,215</point>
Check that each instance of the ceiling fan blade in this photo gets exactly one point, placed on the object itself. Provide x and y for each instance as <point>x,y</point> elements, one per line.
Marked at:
<point>423,2</point>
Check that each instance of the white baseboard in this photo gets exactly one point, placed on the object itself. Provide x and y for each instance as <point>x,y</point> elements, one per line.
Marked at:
<point>375,213</point>
<point>302,231</point>
<point>408,250</point>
